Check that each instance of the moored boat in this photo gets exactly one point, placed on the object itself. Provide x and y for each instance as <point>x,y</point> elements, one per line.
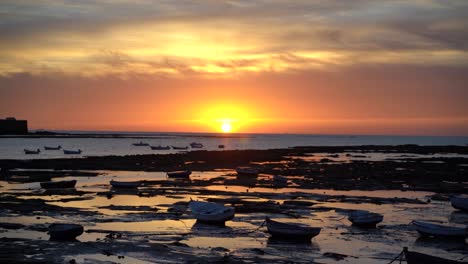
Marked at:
<point>140,144</point>
<point>160,147</point>
<point>437,230</point>
<point>291,231</point>
<point>196,145</point>
<point>248,171</point>
<point>364,218</point>
<point>179,174</point>
<point>125,184</point>
<point>179,148</point>
<point>221,146</point>
<point>71,152</point>
<point>58,184</point>
<point>460,202</point>
<point>28,151</point>
<point>53,148</point>
<point>65,232</point>
<point>211,213</point>
<point>420,258</point>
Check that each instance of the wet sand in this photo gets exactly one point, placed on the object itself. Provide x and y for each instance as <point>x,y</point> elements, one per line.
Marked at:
<point>152,224</point>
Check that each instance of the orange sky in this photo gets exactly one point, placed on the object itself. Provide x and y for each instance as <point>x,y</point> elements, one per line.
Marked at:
<point>339,67</point>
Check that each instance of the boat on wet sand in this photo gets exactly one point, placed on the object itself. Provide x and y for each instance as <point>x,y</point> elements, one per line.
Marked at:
<point>460,202</point>
<point>365,218</point>
<point>53,148</point>
<point>28,151</point>
<point>58,184</point>
<point>247,171</point>
<point>179,174</point>
<point>125,184</point>
<point>71,152</point>
<point>211,213</point>
<point>291,231</point>
<point>437,230</point>
<point>65,232</point>
<point>420,258</point>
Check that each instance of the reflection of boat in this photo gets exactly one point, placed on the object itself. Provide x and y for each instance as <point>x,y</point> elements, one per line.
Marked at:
<point>70,152</point>
<point>124,184</point>
<point>196,145</point>
<point>160,147</point>
<point>420,258</point>
<point>248,171</point>
<point>179,148</point>
<point>28,151</point>
<point>364,218</point>
<point>53,148</point>
<point>140,144</point>
<point>65,231</point>
<point>430,229</point>
<point>58,184</point>
<point>291,231</point>
<point>212,213</point>
<point>460,202</point>
<point>179,174</point>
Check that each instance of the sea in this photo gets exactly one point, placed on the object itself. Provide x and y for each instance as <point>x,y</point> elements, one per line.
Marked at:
<point>121,143</point>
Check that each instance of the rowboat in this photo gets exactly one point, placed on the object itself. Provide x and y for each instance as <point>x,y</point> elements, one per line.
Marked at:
<point>431,229</point>
<point>211,213</point>
<point>460,202</point>
<point>160,147</point>
<point>364,218</point>
<point>70,152</point>
<point>28,151</point>
<point>179,148</point>
<point>53,148</point>
<point>140,144</point>
<point>179,174</point>
<point>58,184</point>
<point>420,258</point>
<point>125,184</point>
<point>65,232</point>
<point>247,171</point>
<point>196,145</point>
<point>291,231</point>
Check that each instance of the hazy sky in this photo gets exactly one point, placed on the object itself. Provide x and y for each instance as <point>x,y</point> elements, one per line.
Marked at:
<point>324,66</point>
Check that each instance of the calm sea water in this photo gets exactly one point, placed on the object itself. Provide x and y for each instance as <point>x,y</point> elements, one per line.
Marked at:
<point>13,148</point>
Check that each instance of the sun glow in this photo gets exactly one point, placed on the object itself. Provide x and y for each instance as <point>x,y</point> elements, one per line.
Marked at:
<point>225,118</point>
<point>226,127</point>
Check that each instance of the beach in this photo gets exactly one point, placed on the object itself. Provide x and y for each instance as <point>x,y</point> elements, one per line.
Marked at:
<point>152,223</point>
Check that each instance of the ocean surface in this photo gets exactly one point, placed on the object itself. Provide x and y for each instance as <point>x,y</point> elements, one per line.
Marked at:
<point>102,144</point>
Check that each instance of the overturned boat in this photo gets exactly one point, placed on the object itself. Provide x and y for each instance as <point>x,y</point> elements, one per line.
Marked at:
<point>211,213</point>
<point>65,232</point>
<point>291,231</point>
<point>364,218</point>
<point>437,230</point>
<point>125,184</point>
<point>460,202</point>
<point>58,184</point>
<point>420,258</point>
<point>179,174</point>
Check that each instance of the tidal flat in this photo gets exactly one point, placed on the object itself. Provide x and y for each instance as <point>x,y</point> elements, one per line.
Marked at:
<point>152,223</point>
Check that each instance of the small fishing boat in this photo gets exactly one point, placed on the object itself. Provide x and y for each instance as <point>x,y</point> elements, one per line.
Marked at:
<point>211,213</point>
<point>179,148</point>
<point>437,230</point>
<point>460,202</point>
<point>291,231</point>
<point>221,146</point>
<point>179,174</point>
<point>58,184</point>
<point>65,232</point>
<point>71,152</point>
<point>53,148</point>
<point>125,184</point>
<point>28,151</point>
<point>196,145</point>
<point>365,218</point>
<point>160,147</point>
<point>420,258</point>
<point>247,171</point>
<point>140,144</point>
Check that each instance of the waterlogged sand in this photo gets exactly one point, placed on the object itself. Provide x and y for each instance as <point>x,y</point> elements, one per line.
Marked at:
<point>153,224</point>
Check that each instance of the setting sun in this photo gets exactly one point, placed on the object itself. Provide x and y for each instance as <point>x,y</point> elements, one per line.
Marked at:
<point>226,127</point>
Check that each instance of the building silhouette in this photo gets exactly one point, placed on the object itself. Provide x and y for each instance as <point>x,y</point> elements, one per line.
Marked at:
<point>11,126</point>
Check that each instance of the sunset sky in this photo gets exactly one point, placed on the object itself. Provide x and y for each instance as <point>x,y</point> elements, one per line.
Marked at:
<point>320,67</point>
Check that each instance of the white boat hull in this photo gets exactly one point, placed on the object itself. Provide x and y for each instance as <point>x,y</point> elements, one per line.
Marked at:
<point>365,219</point>
<point>430,229</point>
<point>211,212</point>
